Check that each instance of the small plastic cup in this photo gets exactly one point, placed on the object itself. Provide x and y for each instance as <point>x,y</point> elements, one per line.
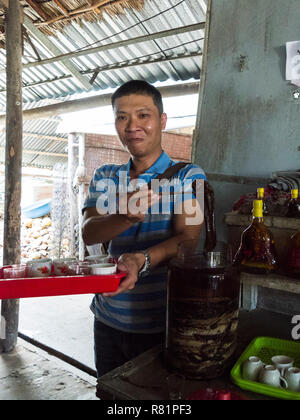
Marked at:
<point>79,269</point>
<point>15,272</point>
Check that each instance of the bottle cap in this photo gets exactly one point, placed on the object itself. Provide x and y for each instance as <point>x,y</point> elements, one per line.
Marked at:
<point>260,192</point>
<point>258,208</point>
<point>295,193</point>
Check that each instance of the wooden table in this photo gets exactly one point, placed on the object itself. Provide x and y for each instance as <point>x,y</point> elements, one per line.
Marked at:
<point>144,378</point>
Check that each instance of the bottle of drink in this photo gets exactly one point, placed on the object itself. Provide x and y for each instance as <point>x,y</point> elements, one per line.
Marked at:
<point>293,207</point>
<point>257,253</point>
<point>293,258</point>
<point>260,196</point>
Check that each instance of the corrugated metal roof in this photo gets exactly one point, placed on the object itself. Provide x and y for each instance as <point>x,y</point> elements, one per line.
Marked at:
<point>156,16</point>
<point>40,136</point>
<point>52,81</point>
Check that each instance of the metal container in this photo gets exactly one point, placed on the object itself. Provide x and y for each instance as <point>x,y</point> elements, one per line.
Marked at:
<point>202,311</point>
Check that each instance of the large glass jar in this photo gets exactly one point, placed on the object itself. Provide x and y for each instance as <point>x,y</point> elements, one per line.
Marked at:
<point>202,311</point>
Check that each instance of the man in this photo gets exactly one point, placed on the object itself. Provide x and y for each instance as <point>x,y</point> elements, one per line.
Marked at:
<point>132,320</point>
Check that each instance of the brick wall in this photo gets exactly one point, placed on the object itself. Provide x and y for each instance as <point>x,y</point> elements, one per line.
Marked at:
<point>103,149</point>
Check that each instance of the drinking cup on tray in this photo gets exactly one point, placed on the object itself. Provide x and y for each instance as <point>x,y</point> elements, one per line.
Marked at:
<point>292,376</point>
<point>39,268</point>
<point>270,375</point>
<point>61,265</point>
<point>104,269</point>
<point>16,271</point>
<point>251,368</point>
<point>282,363</point>
<point>79,269</point>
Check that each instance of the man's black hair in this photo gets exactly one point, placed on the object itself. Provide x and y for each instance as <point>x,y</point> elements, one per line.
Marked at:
<point>139,87</point>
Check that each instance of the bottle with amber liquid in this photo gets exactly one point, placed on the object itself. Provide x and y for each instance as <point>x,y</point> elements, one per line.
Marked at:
<point>260,196</point>
<point>293,258</point>
<point>293,207</point>
<point>257,253</point>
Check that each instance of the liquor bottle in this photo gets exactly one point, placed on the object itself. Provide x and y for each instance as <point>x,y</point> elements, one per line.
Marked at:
<point>293,207</point>
<point>260,196</point>
<point>293,257</point>
<point>257,253</point>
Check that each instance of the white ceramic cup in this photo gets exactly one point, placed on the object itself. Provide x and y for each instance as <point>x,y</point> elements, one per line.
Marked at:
<point>270,375</point>
<point>39,268</point>
<point>251,368</point>
<point>104,269</point>
<point>282,363</point>
<point>292,377</point>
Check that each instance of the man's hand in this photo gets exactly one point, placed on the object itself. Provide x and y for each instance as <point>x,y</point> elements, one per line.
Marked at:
<point>99,228</point>
<point>134,206</point>
<point>130,263</point>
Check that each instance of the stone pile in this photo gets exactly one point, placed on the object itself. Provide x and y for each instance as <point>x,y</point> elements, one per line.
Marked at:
<point>37,239</point>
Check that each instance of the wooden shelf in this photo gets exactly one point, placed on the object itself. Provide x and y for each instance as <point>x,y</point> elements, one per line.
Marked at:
<point>236,219</point>
<point>272,281</point>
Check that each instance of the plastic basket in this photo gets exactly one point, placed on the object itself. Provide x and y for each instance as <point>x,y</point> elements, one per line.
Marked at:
<point>265,348</point>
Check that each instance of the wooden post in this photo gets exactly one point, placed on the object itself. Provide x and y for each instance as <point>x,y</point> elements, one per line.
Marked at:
<point>13,164</point>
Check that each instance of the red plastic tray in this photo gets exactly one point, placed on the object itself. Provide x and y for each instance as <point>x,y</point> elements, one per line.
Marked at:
<point>57,286</point>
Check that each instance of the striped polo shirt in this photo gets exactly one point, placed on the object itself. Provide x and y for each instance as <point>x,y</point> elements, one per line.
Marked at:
<point>143,309</point>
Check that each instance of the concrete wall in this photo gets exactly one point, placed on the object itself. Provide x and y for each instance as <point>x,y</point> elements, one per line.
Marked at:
<point>249,121</point>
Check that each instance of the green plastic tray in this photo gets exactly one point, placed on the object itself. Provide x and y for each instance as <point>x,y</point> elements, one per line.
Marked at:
<point>265,348</point>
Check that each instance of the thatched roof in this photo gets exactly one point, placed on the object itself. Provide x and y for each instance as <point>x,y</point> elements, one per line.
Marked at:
<point>52,15</point>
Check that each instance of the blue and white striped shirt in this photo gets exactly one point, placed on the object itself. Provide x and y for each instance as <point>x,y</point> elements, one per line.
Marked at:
<point>143,309</point>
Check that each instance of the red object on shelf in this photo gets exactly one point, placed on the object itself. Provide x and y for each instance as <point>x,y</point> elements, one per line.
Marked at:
<point>58,286</point>
<point>215,395</point>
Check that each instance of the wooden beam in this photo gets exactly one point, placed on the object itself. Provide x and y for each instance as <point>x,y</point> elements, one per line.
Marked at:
<point>114,45</point>
<point>81,11</point>
<point>62,7</point>
<point>38,9</point>
<point>13,164</point>
<point>42,136</point>
<point>116,66</point>
<point>98,101</point>
<point>40,152</point>
<point>48,44</point>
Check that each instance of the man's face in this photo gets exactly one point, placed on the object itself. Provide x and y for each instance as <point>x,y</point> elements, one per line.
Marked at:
<point>139,124</point>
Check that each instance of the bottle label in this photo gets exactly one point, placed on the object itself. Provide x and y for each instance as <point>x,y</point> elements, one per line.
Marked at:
<point>294,259</point>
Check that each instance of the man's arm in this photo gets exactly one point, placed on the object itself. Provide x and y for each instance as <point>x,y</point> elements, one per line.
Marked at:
<point>102,228</point>
<point>97,228</point>
<point>132,263</point>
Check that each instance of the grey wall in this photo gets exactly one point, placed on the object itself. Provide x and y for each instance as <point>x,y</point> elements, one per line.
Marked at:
<point>248,122</point>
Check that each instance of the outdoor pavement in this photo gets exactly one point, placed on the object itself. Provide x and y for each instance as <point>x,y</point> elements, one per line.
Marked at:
<point>28,373</point>
<point>64,323</point>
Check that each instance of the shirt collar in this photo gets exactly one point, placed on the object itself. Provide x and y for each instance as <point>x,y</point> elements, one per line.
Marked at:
<point>159,167</point>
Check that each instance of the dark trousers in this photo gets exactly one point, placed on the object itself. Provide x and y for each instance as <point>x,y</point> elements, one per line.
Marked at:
<point>113,347</point>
